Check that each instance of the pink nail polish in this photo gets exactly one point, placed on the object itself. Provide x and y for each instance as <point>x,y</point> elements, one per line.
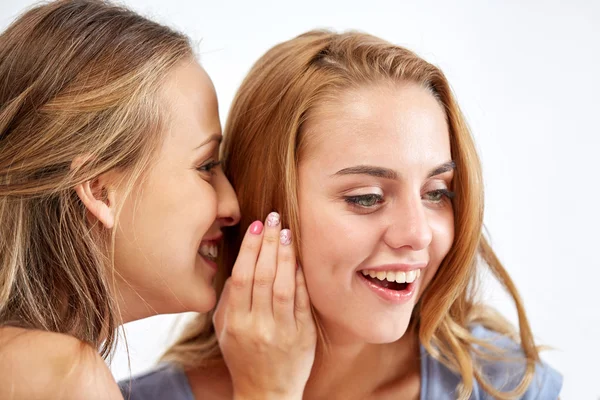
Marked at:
<point>256,228</point>
<point>285,237</point>
<point>273,219</point>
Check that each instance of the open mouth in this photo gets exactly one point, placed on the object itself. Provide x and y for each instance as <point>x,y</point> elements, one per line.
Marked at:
<point>391,280</point>
<point>209,250</point>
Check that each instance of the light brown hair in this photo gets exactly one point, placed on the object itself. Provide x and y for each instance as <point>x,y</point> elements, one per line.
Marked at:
<point>265,141</point>
<point>79,79</point>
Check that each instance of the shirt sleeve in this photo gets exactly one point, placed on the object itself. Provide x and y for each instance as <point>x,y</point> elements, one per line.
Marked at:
<point>546,384</point>
<point>506,375</point>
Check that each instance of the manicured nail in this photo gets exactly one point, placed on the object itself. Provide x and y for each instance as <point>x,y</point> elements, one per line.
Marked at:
<point>256,228</point>
<point>285,237</point>
<point>273,219</point>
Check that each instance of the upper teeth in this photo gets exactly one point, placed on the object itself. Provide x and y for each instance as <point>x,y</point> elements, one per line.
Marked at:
<point>209,250</point>
<point>393,276</point>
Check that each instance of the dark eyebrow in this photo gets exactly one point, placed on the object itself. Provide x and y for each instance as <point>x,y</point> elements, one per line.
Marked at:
<point>387,173</point>
<point>445,167</point>
<point>377,172</point>
<point>215,136</point>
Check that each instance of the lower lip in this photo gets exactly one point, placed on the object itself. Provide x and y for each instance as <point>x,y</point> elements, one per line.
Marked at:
<point>210,263</point>
<point>390,296</point>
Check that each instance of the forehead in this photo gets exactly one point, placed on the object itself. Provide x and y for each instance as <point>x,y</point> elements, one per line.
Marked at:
<point>191,99</point>
<point>391,124</point>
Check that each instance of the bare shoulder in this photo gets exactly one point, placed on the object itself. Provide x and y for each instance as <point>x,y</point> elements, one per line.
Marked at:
<point>46,365</point>
<point>211,383</point>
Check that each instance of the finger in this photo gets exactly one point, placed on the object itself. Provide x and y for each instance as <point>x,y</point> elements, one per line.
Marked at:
<point>284,287</point>
<point>266,266</point>
<point>243,271</point>
<point>302,310</point>
<point>222,306</point>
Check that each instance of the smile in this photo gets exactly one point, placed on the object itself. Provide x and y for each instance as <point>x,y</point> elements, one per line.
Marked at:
<point>393,280</point>
<point>395,284</point>
<point>209,250</point>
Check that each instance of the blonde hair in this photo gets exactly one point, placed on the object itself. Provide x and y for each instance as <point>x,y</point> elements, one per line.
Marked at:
<point>79,79</point>
<point>264,141</point>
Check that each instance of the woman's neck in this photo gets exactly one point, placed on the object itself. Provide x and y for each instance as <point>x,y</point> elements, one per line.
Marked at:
<point>343,369</point>
<point>347,369</point>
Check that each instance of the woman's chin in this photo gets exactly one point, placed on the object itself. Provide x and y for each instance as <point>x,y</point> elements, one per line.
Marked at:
<point>384,336</point>
<point>203,300</point>
<point>368,331</point>
<point>381,328</point>
<point>206,301</point>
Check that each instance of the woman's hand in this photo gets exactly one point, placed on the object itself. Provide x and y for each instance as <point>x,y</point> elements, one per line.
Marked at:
<point>263,321</point>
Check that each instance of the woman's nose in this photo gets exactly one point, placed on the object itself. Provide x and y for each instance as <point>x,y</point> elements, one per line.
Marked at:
<point>228,209</point>
<point>410,225</point>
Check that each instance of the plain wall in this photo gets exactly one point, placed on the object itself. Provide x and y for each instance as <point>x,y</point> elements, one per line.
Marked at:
<point>526,76</point>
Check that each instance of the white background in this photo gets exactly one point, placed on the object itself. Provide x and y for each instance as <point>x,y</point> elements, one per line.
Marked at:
<point>526,76</point>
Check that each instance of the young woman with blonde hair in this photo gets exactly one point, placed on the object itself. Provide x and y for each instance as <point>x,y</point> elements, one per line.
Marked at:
<point>363,147</point>
<point>112,207</point>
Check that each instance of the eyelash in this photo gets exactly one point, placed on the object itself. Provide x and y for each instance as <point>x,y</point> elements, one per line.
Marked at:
<point>208,167</point>
<point>355,201</point>
<point>441,192</point>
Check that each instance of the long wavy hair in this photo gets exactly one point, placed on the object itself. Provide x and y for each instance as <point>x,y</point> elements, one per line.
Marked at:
<point>264,141</point>
<point>78,79</point>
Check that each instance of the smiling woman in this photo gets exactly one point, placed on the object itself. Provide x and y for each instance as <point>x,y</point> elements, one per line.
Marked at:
<point>112,203</point>
<point>195,202</point>
<point>363,146</point>
<point>374,193</point>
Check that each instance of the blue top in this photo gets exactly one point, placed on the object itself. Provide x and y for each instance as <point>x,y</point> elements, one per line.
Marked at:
<point>437,382</point>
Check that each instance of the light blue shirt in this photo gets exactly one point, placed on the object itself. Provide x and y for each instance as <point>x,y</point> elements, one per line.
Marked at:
<point>168,382</point>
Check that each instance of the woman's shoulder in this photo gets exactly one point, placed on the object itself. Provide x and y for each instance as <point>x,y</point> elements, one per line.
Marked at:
<point>38,364</point>
<point>439,382</point>
<point>167,381</point>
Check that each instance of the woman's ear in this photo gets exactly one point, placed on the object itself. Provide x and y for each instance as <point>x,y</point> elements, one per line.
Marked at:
<point>98,196</point>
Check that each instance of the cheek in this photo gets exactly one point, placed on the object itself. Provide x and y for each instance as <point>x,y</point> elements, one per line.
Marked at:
<point>203,205</point>
<point>320,241</point>
<point>443,232</point>
<point>442,226</point>
<point>188,207</point>
<point>333,244</point>
<point>181,215</point>
<point>163,223</point>
<point>320,234</point>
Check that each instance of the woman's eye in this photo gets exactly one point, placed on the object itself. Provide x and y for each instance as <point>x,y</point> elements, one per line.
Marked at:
<point>365,200</point>
<point>208,167</point>
<point>436,196</point>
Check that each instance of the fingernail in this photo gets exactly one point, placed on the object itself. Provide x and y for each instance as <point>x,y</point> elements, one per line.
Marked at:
<point>285,237</point>
<point>256,228</point>
<point>273,219</point>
